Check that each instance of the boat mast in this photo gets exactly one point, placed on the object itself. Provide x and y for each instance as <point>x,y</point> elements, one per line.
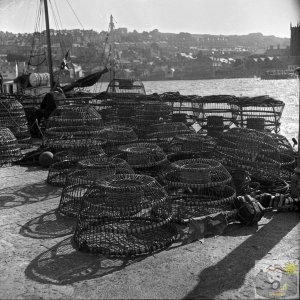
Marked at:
<point>112,49</point>
<point>49,45</point>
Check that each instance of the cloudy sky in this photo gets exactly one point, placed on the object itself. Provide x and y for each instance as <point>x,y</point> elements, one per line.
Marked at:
<point>270,17</point>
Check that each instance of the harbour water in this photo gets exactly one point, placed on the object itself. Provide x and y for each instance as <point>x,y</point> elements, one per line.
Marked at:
<point>284,90</point>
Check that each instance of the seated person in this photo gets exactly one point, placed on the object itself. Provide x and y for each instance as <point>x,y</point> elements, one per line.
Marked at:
<point>49,104</point>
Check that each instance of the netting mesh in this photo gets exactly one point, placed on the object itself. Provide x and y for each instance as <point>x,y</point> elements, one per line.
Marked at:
<point>198,187</point>
<point>124,215</point>
<point>12,116</point>
<point>9,148</point>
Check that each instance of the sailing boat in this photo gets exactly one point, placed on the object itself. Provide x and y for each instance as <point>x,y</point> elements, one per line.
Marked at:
<point>123,86</point>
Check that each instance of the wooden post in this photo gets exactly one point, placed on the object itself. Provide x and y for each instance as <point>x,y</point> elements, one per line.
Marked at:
<point>295,180</point>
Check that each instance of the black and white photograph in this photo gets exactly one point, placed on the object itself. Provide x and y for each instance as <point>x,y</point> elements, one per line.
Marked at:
<point>149,149</point>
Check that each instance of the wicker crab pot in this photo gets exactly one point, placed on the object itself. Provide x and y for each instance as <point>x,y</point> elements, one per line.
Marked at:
<point>124,215</point>
<point>78,181</point>
<point>191,146</point>
<point>75,115</point>
<point>150,112</point>
<point>184,107</point>
<point>249,150</point>
<point>259,113</point>
<point>145,158</point>
<point>74,151</point>
<point>9,147</point>
<point>198,187</point>
<point>215,113</point>
<point>117,136</point>
<point>163,133</point>
<point>12,116</point>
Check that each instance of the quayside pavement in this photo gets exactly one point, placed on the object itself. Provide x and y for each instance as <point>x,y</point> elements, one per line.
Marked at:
<point>38,261</point>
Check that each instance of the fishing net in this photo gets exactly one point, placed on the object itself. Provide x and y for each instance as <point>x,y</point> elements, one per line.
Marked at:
<point>124,215</point>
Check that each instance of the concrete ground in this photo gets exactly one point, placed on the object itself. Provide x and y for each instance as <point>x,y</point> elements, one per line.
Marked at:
<point>38,261</point>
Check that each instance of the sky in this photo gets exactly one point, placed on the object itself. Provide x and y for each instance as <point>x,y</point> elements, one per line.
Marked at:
<point>227,17</point>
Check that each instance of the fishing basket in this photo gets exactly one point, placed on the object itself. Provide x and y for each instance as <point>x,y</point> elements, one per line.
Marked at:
<point>75,115</point>
<point>72,131</point>
<point>193,143</point>
<point>9,147</point>
<point>198,187</point>
<point>249,150</point>
<point>184,107</point>
<point>261,113</point>
<point>72,143</point>
<point>78,181</point>
<point>79,154</point>
<point>12,116</point>
<point>198,173</point>
<point>215,112</point>
<point>186,206</point>
<point>145,158</point>
<point>59,171</point>
<point>124,215</point>
<point>117,136</point>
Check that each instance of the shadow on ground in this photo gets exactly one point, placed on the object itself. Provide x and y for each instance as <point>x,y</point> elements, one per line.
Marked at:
<point>63,264</point>
<point>230,272</point>
<point>30,193</point>
<point>49,225</point>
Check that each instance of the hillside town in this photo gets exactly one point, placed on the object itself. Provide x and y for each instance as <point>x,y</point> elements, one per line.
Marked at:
<point>152,55</point>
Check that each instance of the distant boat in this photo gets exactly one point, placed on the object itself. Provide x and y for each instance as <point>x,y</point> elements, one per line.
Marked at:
<point>278,74</point>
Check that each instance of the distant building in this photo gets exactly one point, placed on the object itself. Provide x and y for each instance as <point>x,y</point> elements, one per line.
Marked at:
<point>295,40</point>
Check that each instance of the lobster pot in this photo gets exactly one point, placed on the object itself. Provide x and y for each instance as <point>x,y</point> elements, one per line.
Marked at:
<point>184,107</point>
<point>9,148</point>
<point>117,136</point>
<point>72,131</point>
<point>252,110</point>
<point>163,133</point>
<point>256,123</point>
<point>12,116</point>
<point>248,150</point>
<point>284,146</point>
<point>213,109</point>
<point>120,165</point>
<point>79,154</point>
<point>193,143</point>
<point>287,167</point>
<point>59,171</point>
<point>78,181</point>
<point>145,158</point>
<point>271,184</point>
<point>150,113</point>
<point>198,187</point>
<point>75,115</point>
<point>215,125</point>
<point>39,79</point>
<point>124,215</point>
